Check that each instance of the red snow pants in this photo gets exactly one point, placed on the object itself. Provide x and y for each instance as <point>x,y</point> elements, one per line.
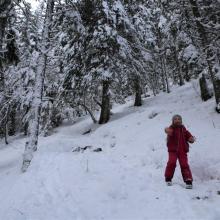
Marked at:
<point>183,161</point>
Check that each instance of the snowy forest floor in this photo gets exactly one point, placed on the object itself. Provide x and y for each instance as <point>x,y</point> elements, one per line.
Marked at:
<point>126,179</point>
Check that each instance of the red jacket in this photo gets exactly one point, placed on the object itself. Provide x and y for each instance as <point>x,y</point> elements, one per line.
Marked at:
<point>179,139</point>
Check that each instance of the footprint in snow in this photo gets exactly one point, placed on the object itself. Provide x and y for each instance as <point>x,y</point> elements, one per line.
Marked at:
<point>200,198</point>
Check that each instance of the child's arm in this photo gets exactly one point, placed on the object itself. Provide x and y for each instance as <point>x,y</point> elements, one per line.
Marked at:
<point>169,131</point>
<point>189,137</point>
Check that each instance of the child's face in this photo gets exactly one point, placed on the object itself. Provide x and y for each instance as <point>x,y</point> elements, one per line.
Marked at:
<point>177,121</point>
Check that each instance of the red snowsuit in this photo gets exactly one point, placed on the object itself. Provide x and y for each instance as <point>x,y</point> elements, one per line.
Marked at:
<point>177,144</point>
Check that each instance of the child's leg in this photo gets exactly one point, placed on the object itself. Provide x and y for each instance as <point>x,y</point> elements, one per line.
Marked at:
<point>185,169</point>
<point>171,165</point>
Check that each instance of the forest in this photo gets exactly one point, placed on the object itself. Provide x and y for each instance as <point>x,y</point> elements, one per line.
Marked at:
<point>68,59</point>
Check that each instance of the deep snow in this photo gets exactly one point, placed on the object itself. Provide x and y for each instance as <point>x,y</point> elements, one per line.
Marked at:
<point>126,179</point>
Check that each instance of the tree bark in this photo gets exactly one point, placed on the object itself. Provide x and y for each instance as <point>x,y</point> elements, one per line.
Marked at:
<point>218,94</point>
<point>179,70</point>
<point>205,94</point>
<point>164,69</point>
<point>4,10</point>
<point>163,81</point>
<point>90,112</point>
<point>206,48</point>
<point>105,107</point>
<point>12,120</point>
<point>186,72</point>
<point>138,100</point>
<point>31,144</point>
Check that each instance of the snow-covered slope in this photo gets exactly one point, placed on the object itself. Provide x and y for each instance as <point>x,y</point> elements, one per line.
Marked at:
<point>126,179</point>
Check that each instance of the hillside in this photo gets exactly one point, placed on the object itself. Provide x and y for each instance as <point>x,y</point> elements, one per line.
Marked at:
<point>126,179</point>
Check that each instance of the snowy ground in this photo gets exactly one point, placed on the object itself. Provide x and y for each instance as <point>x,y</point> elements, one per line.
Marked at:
<point>126,179</point>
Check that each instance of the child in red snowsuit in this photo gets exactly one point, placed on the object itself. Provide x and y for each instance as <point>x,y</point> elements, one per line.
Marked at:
<point>177,144</point>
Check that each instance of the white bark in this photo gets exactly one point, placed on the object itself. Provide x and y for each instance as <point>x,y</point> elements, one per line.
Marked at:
<point>31,144</point>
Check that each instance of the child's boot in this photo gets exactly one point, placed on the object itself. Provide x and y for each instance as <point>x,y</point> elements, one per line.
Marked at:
<point>168,181</point>
<point>189,184</point>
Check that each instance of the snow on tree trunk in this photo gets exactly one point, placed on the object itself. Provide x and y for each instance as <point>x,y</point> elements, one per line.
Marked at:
<point>105,107</point>
<point>31,144</point>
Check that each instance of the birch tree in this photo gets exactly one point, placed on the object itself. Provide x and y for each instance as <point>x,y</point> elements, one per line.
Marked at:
<point>31,144</point>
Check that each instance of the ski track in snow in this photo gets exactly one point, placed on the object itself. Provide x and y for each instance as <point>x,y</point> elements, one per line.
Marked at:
<point>126,179</point>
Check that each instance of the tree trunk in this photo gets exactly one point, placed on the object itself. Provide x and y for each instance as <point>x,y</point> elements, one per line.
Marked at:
<point>4,10</point>
<point>208,51</point>
<point>105,108</point>
<point>12,120</point>
<point>6,124</point>
<point>6,133</point>
<point>205,94</point>
<point>162,51</point>
<point>138,100</point>
<point>163,80</point>
<point>164,69</point>
<point>179,70</point>
<point>3,23</point>
<point>218,95</point>
<point>89,111</point>
<point>5,7</point>
<point>186,72</point>
<point>26,125</point>
<point>31,144</point>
